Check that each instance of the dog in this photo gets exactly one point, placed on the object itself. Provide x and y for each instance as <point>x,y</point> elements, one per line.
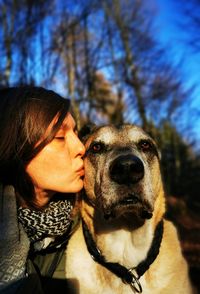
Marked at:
<point>123,243</point>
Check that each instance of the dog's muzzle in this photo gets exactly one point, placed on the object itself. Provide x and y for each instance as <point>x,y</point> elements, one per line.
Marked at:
<point>126,169</point>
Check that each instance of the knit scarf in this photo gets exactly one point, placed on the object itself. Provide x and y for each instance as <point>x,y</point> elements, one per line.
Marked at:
<point>43,227</point>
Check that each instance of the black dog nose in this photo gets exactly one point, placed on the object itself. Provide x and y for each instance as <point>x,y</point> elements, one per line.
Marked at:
<point>126,169</point>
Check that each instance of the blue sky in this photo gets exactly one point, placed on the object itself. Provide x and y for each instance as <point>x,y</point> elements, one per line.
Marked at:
<point>173,37</point>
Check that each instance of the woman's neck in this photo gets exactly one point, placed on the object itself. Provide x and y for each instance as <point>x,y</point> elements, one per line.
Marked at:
<point>43,197</point>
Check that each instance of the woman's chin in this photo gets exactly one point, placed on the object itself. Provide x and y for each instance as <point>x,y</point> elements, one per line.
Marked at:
<point>77,187</point>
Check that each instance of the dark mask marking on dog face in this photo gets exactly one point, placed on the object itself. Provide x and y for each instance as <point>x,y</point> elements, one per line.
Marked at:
<point>115,198</point>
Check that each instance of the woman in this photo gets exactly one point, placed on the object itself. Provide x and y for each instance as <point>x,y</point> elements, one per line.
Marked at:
<point>41,167</point>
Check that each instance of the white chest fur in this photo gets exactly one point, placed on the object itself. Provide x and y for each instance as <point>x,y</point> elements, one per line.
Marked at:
<point>167,274</point>
<point>121,247</point>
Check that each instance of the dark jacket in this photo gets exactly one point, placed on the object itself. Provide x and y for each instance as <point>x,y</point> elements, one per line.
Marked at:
<point>45,271</point>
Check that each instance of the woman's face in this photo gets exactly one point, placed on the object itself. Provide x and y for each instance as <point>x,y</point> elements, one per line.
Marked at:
<point>58,167</point>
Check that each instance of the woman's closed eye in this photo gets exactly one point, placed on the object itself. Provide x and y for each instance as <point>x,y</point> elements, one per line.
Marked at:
<point>59,138</point>
<point>60,135</point>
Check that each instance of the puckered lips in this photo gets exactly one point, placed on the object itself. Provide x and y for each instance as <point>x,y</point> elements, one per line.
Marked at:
<point>80,171</point>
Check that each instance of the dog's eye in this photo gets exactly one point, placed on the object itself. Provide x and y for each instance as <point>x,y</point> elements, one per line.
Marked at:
<point>145,145</point>
<point>96,147</point>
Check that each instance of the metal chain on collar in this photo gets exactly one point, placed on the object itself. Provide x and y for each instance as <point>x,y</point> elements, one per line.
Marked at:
<point>135,283</point>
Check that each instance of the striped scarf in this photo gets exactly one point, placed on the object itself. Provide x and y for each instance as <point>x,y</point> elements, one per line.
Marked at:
<point>43,227</point>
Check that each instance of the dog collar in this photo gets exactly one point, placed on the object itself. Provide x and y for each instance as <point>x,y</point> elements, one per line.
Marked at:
<point>129,276</point>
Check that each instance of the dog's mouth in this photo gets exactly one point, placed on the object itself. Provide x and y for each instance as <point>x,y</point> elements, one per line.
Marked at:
<point>131,203</point>
<point>132,199</point>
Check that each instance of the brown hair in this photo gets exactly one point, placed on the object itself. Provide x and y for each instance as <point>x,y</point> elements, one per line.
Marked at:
<point>25,114</point>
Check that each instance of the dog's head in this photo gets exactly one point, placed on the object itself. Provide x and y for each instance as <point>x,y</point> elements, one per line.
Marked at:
<point>122,173</point>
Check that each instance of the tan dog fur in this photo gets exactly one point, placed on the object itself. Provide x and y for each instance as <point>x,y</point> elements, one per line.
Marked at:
<point>125,238</point>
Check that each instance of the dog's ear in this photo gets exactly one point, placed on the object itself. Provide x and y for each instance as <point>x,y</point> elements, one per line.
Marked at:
<point>152,135</point>
<point>86,130</point>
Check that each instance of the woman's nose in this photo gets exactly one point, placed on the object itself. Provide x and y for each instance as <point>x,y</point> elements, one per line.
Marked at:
<point>80,148</point>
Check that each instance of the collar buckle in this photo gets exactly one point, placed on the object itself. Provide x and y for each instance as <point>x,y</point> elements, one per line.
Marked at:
<point>135,283</point>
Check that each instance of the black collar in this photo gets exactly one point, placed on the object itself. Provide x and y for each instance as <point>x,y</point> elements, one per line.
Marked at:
<point>128,276</point>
